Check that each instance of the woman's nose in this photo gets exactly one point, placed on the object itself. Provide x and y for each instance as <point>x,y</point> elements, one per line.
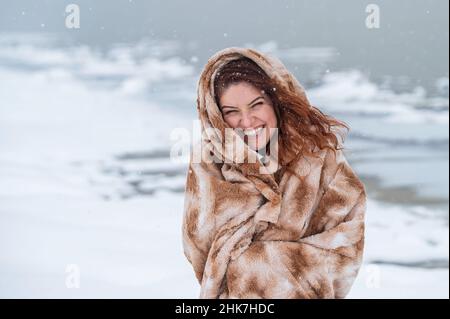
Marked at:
<point>246,120</point>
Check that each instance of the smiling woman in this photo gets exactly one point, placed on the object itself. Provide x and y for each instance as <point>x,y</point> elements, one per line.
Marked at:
<point>294,233</point>
<point>255,117</point>
<point>240,91</point>
<point>249,99</point>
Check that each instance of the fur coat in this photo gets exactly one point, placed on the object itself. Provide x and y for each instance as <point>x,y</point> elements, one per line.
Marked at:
<point>251,234</point>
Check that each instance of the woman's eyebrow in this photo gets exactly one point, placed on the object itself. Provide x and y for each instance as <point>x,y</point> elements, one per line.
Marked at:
<point>234,107</point>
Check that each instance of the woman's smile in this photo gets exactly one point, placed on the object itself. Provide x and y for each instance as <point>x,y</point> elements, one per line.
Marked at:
<point>250,112</point>
<point>255,131</point>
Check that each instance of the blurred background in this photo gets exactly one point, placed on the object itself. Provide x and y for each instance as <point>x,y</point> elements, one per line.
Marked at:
<point>90,202</point>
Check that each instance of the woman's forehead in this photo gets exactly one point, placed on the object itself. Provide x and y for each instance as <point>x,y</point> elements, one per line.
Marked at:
<point>241,94</point>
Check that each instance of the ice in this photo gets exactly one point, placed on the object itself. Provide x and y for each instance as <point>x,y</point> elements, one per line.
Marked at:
<point>85,177</point>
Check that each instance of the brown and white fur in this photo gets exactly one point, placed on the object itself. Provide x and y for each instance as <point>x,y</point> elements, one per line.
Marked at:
<point>248,235</point>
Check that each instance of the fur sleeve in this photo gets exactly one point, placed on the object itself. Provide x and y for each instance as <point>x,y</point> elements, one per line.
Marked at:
<point>334,240</point>
<point>197,225</point>
<point>325,260</point>
<point>328,256</point>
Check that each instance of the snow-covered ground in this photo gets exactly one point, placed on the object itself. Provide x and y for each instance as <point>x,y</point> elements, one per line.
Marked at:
<point>91,206</point>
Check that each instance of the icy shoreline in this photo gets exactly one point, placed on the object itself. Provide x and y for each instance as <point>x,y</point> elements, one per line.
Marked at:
<point>79,185</point>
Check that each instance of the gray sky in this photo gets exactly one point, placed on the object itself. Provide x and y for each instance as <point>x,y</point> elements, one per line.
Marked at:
<point>412,40</point>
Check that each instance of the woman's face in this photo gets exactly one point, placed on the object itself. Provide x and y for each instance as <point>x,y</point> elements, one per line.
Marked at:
<point>247,108</point>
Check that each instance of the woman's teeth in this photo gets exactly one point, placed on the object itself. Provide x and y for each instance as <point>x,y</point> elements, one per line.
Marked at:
<point>254,132</point>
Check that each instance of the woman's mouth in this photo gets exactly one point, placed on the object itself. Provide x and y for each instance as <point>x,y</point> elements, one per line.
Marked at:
<point>255,131</point>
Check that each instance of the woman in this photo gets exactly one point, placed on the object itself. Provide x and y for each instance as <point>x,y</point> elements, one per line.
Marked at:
<point>296,231</point>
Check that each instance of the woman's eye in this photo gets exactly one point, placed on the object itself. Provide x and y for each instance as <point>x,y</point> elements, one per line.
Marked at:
<point>260,103</point>
<point>229,112</point>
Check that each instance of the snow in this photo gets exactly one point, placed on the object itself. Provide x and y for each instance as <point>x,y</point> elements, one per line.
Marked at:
<point>72,204</point>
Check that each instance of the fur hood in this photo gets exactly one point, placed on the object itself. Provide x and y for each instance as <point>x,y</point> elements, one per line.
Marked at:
<point>249,235</point>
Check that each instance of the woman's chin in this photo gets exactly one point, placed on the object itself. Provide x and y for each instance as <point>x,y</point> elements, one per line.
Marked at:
<point>257,147</point>
<point>255,143</point>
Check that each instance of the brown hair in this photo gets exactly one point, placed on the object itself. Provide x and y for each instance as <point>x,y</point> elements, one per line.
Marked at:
<point>301,126</point>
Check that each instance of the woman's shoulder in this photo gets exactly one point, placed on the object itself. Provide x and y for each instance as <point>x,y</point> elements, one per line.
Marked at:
<point>324,162</point>
<point>336,167</point>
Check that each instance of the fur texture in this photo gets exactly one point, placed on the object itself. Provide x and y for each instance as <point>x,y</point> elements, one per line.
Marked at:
<point>253,235</point>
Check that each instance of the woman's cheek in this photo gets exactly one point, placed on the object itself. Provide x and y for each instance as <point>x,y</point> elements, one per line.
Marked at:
<point>232,121</point>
